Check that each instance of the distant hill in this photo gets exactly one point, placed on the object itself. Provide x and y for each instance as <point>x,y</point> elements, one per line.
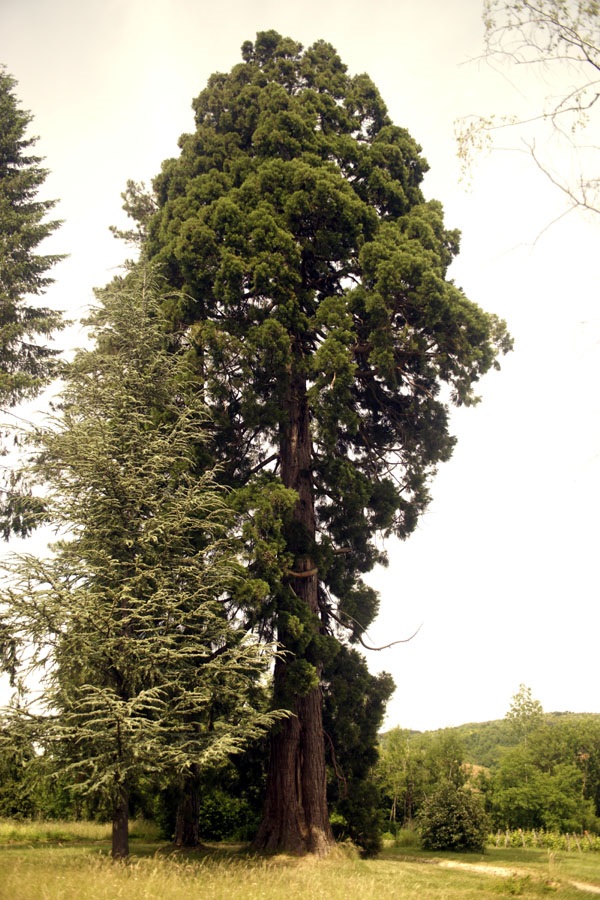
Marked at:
<point>484,741</point>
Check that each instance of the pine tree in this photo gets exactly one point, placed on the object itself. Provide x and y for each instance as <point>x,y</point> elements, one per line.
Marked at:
<point>330,344</point>
<point>25,363</point>
<point>146,674</point>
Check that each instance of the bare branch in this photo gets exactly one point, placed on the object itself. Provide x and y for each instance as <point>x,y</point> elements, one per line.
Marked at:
<point>563,36</point>
<point>365,645</point>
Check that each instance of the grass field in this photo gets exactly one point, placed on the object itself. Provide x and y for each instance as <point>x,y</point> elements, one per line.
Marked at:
<point>66,861</point>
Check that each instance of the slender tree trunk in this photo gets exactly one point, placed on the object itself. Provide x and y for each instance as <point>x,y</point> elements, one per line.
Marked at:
<point>120,823</point>
<point>187,819</point>
<point>295,818</point>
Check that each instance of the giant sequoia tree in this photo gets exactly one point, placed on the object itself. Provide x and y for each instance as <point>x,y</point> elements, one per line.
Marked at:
<point>330,344</point>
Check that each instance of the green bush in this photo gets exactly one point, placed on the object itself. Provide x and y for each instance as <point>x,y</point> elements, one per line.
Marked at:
<point>453,818</point>
<point>223,817</point>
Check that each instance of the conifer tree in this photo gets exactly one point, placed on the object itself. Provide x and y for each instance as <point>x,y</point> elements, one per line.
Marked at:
<point>25,363</point>
<point>146,674</point>
<point>330,344</point>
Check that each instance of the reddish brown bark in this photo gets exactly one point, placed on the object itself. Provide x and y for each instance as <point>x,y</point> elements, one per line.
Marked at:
<point>295,817</point>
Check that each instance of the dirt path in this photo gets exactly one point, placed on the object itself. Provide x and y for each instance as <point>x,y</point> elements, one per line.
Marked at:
<point>499,871</point>
<point>504,872</point>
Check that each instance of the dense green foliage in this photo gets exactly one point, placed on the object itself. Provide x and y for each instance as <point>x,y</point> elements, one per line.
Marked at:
<point>453,818</point>
<point>412,766</point>
<point>25,363</point>
<point>353,713</point>
<point>533,770</point>
<point>294,222</point>
<point>551,780</point>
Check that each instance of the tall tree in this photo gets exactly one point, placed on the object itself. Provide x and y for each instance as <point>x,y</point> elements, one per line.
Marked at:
<point>145,672</point>
<point>25,363</point>
<point>330,343</point>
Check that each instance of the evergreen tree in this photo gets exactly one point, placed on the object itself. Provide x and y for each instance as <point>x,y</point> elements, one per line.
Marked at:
<point>330,344</point>
<point>145,672</point>
<point>25,364</point>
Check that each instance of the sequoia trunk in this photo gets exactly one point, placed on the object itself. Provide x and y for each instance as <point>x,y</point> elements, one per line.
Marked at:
<point>295,817</point>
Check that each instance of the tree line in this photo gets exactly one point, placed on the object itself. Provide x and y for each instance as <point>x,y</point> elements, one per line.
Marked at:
<point>266,396</point>
<point>530,771</point>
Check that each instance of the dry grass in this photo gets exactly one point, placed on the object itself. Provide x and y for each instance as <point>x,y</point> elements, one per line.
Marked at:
<point>35,832</point>
<point>79,867</point>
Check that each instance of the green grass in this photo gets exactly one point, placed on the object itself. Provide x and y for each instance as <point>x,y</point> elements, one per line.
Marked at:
<point>36,832</point>
<point>70,861</point>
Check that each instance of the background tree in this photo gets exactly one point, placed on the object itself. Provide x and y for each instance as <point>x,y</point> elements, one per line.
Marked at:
<point>549,780</point>
<point>330,344</point>
<point>412,766</point>
<point>544,773</point>
<point>560,39</point>
<point>525,713</point>
<point>523,794</point>
<point>144,672</point>
<point>25,363</point>
<point>399,772</point>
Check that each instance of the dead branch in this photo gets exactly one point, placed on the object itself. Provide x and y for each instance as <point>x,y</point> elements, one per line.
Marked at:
<point>366,646</point>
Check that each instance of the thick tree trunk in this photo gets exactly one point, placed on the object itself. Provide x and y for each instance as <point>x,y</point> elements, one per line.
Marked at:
<point>120,823</point>
<point>295,818</point>
<point>187,818</point>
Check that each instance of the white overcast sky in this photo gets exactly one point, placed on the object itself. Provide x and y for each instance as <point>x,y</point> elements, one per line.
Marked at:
<point>502,573</point>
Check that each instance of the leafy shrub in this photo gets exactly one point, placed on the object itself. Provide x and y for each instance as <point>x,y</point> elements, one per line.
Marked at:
<point>223,817</point>
<point>453,818</point>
